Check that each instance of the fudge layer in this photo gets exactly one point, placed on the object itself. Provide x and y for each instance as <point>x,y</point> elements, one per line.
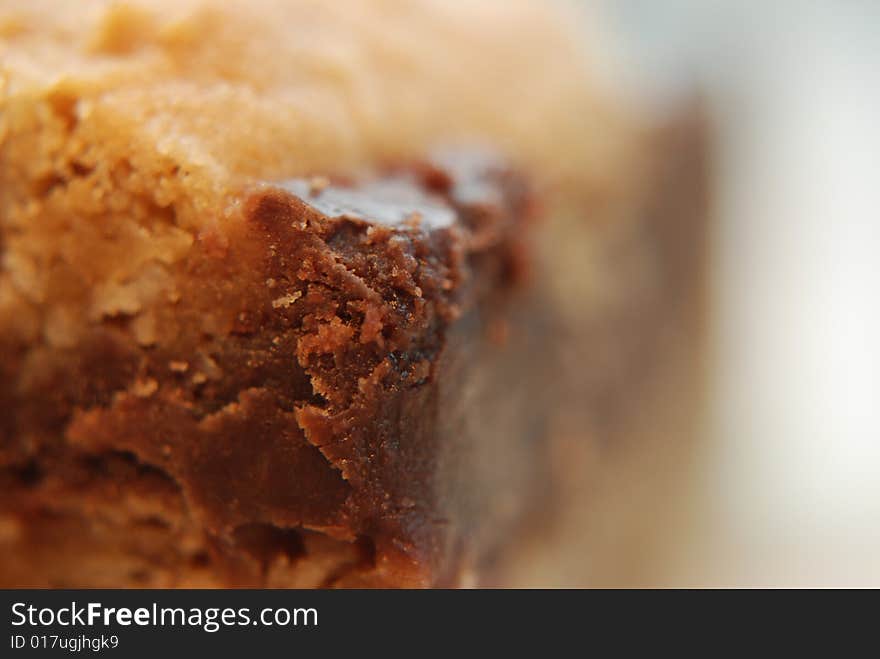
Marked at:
<point>326,365</point>
<point>304,293</point>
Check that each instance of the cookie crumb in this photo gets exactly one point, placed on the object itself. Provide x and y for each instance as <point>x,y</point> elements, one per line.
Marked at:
<point>285,301</point>
<point>144,387</point>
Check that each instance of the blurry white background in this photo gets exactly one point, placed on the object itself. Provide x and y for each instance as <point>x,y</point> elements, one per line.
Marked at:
<point>789,493</point>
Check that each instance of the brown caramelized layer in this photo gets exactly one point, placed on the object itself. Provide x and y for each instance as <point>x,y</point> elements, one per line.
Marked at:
<point>307,375</point>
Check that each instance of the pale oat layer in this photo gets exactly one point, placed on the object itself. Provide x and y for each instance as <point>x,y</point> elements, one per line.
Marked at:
<point>236,91</point>
<point>127,129</point>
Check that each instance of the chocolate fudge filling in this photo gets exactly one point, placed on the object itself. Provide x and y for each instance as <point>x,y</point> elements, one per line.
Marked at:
<point>322,402</point>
